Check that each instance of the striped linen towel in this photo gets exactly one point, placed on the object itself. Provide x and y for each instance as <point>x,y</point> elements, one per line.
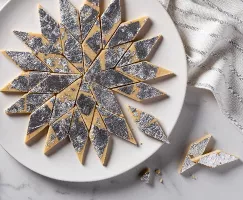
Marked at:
<point>212,33</point>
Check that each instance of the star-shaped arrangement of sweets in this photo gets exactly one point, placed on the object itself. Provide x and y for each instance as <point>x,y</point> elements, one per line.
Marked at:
<point>72,72</point>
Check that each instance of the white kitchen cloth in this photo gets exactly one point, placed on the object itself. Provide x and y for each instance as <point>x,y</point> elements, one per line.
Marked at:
<point>212,33</point>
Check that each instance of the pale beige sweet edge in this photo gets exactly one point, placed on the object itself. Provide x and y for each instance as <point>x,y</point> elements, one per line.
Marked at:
<point>215,159</point>
<point>187,158</point>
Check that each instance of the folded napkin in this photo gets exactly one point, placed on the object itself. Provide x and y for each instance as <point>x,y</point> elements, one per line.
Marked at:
<point>212,33</point>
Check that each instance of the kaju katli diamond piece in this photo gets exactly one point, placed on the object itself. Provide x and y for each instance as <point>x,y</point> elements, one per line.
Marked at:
<point>86,104</point>
<point>107,59</point>
<point>148,124</point>
<point>89,13</point>
<point>72,49</point>
<point>57,63</point>
<point>92,45</point>
<point>28,103</point>
<point>58,133</point>
<point>215,159</point>
<point>79,135</point>
<point>110,57</point>
<point>106,98</point>
<point>144,71</point>
<point>127,32</point>
<point>70,18</point>
<point>37,43</point>
<point>195,149</point>
<point>117,125</point>
<point>26,61</point>
<point>139,51</point>
<point>39,121</point>
<point>140,91</point>
<point>112,78</point>
<point>25,81</point>
<point>65,100</point>
<point>49,27</point>
<point>55,83</point>
<point>100,138</point>
<point>110,20</point>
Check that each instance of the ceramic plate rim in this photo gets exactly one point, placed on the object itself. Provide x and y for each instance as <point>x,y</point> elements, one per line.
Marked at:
<point>116,174</point>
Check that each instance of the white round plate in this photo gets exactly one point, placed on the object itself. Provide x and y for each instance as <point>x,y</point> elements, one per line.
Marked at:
<point>64,165</point>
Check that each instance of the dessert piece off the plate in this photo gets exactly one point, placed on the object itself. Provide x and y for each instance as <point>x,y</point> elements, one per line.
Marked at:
<point>65,100</point>
<point>117,125</point>
<point>139,51</point>
<point>72,49</point>
<point>140,91</point>
<point>89,13</point>
<point>25,81</point>
<point>26,61</point>
<point>28,103</point>
<point>148,124</point>
<point>55,83</point>
<point>127,32</point>
<point>79,134</point>
<point>195,149</point>
<point>110,20</point>
<point>100,138</point>
<point>39,121</point>
<point>215,159</point>
<point>70,18</point>
<point>144,71</point>
<point>58,133</point>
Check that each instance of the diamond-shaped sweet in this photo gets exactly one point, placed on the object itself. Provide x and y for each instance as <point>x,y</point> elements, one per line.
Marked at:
<point>39,121</point>
<point>127,32</point>
<point>58,133</point>
<point>26,61</point>
<point>65,100</point>
<point>140,91</point>
<point>92,45</point>
<point>89,14</point>
<point>215,159</point>
<point>70,18</point>
<point>28,103</point>
<point>79,134</point>
<point>72,49</point>
<point>144,71</point>
<point>139,51</point>
<point>100,138</point>
<point>148,124</point>
<point>25,82</point>
<point>117,125</point>
<point>110,20</point>
<point>195,149</point>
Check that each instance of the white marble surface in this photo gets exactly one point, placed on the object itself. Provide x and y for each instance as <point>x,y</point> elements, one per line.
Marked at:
<point>200,114</point>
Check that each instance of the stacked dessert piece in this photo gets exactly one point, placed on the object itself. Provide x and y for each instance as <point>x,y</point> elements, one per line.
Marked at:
<point>195,154</point>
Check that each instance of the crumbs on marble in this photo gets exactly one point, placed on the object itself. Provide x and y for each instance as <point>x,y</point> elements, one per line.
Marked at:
<point>148,176</point>
<point>158,172</point>
<point>193,176</point>
<point>161,180</point>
